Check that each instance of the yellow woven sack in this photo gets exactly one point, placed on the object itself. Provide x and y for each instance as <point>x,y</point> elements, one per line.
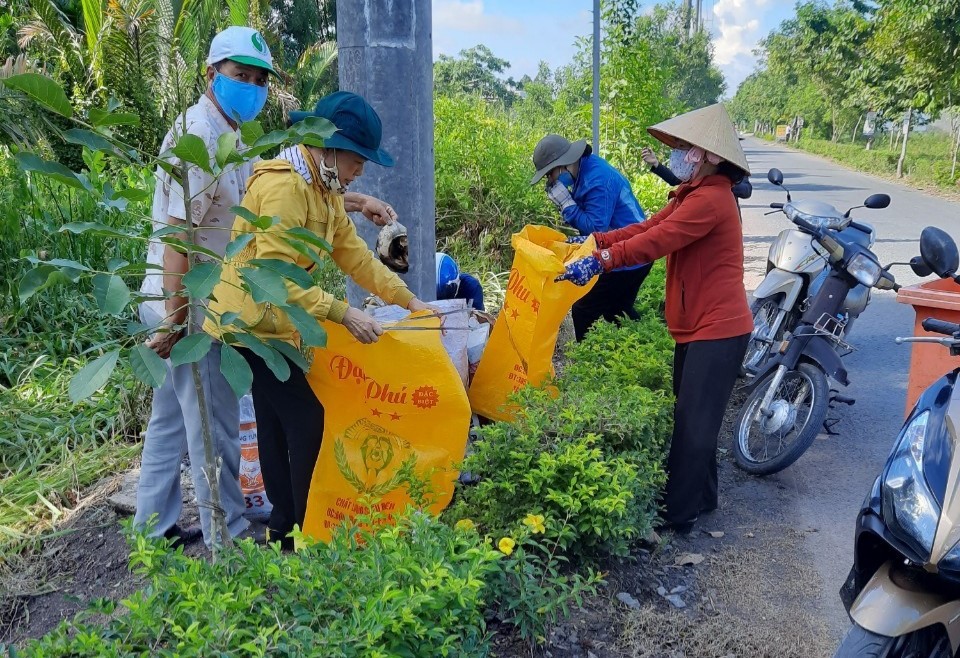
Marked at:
<point>397,402</point>
<point>520,349</point>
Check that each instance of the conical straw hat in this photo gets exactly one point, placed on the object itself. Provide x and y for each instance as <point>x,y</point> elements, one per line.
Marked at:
<point>710,128</point>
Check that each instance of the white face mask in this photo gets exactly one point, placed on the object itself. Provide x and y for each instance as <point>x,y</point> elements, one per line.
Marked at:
<point>330,175</point>
<point>679,165</point>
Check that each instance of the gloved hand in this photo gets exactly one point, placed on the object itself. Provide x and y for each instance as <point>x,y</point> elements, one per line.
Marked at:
<point>581,271</point>
<point>560,195</point>
<point>577,239</point>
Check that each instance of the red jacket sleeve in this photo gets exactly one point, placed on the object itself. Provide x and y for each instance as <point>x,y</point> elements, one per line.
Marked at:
<point>619,235</point>
<point>686,223</point>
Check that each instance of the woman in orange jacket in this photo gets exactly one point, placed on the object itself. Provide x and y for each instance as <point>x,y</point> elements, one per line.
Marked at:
<point>706,304</point>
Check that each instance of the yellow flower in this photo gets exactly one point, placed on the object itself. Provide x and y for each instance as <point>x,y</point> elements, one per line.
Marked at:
<point>464,524</point>
<point>506,545</point>
<point>535,523</point>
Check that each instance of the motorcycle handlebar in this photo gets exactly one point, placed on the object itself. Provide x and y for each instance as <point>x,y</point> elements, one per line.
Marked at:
<point>940,326</point>
<point>778,206</point>
<point>860,227</point>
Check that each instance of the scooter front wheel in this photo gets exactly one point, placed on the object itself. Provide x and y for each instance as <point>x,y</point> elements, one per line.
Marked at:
<point>766,443</point>
<point>925,643</point>
<point>765,312</point>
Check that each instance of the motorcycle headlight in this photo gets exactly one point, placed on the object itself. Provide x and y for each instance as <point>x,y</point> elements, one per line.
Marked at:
<point>792,213</point>
<point>909,509</point>
<point>865,270</point>
<point>835,223</point>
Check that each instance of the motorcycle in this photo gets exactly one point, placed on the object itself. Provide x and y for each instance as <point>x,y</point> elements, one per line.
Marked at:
<point>788,399</point>
<point>796,268</point>
<point>903,591</point>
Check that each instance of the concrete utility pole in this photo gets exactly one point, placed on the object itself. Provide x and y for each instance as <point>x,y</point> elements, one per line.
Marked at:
<point>386,56</point>
<point>596,76</point>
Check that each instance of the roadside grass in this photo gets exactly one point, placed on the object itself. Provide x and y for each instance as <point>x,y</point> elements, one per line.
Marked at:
<point>928,161</point>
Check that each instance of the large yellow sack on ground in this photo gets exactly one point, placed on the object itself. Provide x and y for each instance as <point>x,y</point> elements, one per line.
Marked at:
<point>395,402</point>
<point>520,350</point>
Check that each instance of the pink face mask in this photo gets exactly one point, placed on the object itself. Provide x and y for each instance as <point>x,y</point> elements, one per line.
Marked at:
<point>685,163</point>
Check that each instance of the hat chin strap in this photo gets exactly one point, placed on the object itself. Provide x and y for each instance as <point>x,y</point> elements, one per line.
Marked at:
<point>330,175</point>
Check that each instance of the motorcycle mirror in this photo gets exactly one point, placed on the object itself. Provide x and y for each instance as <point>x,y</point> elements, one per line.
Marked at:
<point>939,252</point>
<point>877,201</point>
<point>775,176</point>
<point>919,267</point>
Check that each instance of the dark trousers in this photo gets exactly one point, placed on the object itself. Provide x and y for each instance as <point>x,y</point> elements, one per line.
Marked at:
<point>611,298</point>
<point>704,373</point>
<point>289,431</point>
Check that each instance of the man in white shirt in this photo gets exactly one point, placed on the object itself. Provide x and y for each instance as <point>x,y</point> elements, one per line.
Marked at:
<point>238,69</point>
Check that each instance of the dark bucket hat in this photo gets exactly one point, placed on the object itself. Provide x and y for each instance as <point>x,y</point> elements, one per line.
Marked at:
<point>556,151</point>
<point>358,126</point>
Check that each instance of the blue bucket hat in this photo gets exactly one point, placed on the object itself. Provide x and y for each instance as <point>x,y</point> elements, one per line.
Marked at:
<point>358,127</point>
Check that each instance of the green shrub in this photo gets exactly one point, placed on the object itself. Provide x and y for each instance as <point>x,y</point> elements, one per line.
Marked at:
<point>590,450</point>
<point>529,589</point>
<point>33,209</point>
<point>420,588</point>
<point>416,589</point>
<point>525,471</point>
<point>483,170</point>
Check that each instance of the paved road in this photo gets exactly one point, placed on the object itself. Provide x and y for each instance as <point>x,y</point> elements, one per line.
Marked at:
<point>831,480</point>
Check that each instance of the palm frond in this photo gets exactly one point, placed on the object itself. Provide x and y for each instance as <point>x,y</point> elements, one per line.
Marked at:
<point>313,66</point>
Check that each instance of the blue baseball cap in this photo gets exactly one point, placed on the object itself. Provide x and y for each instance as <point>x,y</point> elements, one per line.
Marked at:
<point>358,126</point>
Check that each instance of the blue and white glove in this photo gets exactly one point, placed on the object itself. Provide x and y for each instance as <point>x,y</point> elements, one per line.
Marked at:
<point>581,271</point>
<point>577,239</point>
<point>560,195</point>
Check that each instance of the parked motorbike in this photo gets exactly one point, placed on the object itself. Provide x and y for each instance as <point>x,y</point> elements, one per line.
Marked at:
<point>903,592</point>
<point>796,268</point>
<point>788,399</point>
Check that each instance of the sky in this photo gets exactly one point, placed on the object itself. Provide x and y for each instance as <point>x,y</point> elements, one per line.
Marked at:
<point>526,31</point>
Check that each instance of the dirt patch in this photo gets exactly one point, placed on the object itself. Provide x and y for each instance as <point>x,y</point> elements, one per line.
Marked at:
<point>86,558</point>
<point>749,603</point>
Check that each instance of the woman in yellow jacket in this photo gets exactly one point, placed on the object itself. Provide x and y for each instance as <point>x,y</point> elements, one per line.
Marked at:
<point>304,187</point>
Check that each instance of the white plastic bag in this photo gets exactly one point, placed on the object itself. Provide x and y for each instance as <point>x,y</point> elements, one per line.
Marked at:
<point>454,342</point>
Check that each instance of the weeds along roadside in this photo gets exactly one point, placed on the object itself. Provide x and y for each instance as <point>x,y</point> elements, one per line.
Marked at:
<point>53,449</point>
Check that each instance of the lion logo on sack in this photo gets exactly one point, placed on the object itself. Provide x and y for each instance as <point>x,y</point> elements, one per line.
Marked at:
<point>377,449</point>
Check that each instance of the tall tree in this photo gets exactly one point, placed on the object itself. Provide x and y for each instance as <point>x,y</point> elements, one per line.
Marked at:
<point>474,71</point>
<point>692,78</point>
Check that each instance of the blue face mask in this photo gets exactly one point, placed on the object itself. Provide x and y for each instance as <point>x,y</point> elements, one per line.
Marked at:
<point>566,179</point>
<point>238,99</point>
